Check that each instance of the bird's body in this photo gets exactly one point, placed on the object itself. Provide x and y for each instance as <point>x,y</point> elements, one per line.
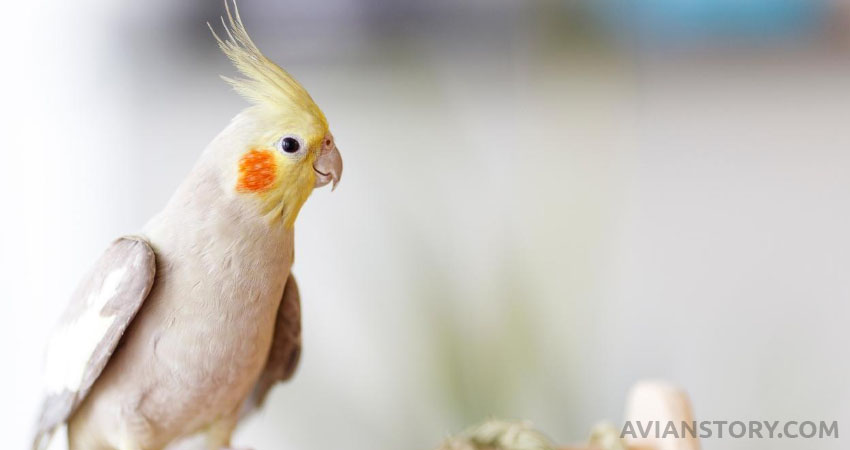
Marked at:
<point>184,328</point>
<point>171,381</point>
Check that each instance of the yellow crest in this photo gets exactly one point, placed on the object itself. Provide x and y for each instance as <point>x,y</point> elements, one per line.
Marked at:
<point>264,83</point>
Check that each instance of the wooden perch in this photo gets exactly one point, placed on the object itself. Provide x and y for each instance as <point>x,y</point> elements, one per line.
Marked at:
<point>649,401</point>
<point>664,402</point>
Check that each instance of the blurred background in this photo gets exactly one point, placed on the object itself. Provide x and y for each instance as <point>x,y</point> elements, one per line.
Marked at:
<point>544,201</point>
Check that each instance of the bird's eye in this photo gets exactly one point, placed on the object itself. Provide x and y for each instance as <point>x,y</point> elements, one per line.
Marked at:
<point>289,145</point>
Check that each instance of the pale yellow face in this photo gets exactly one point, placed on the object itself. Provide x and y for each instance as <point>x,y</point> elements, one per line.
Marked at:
<point>278,167</point>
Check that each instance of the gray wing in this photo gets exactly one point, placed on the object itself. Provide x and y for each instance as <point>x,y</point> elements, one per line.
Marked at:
<point>91,327</point>
<point>285,350</point>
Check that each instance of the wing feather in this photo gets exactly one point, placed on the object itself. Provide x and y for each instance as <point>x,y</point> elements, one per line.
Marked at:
<point>285,351</point>
<point>100,310</point>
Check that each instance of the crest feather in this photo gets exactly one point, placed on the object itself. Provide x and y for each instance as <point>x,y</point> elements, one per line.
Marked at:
<point>263,83</point>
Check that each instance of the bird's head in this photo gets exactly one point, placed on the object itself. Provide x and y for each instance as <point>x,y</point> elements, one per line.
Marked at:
<point>275,152</point>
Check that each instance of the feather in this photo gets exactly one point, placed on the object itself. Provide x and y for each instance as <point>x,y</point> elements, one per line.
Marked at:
<point>263,82</point>
<point>100,311</point>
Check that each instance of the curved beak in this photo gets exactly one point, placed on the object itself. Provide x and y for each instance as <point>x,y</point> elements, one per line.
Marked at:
<point>328,165</point>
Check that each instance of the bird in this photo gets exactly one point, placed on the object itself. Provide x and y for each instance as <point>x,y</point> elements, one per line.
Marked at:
<point>180,331</point>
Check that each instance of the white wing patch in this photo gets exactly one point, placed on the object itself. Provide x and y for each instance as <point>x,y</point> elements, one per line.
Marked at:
<point>74,343</point>
<point>99,312</point>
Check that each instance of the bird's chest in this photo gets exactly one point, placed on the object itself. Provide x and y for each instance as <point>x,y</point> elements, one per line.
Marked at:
<point>226,343</point>
<point>219,307</point>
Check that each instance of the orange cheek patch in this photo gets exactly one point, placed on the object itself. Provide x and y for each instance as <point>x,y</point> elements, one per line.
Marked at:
<point>256,171</point>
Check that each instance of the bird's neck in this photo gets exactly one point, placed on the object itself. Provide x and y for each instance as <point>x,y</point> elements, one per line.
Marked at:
<point>203,217</point>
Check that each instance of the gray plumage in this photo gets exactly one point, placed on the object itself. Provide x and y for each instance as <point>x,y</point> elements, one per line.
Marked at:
<point>132,255</point>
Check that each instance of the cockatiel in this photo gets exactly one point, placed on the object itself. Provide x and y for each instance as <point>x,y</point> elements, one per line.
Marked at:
<point>183,329</point>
